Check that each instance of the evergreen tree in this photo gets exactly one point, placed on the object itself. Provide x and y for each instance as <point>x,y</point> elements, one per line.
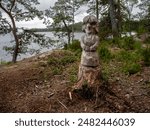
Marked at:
<point>63,14</point>
<point>17,10</point>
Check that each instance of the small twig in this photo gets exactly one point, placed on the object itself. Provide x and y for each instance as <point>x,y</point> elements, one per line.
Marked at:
<point>62,104</point>
<point>36,86</point>
<point>70,95</point>
<point>139,81</point>
<point>50,94</point>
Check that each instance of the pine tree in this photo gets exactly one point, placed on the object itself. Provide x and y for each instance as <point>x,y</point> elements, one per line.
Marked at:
<point>63,14</point>
<point>17,10</point>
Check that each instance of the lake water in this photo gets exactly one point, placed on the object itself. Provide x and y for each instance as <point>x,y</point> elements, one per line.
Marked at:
<point>5,40</point>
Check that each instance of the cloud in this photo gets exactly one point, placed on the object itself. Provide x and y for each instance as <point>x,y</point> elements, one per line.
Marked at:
<point>36,23</point>
<point>45,4</point>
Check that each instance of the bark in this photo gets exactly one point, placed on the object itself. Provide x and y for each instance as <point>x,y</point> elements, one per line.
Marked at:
<point>68,31</point>
<point>14,30</point>
<point>73,20</point>
<point>119,18</point>
<point>97,10</point>
<point>113,18</point>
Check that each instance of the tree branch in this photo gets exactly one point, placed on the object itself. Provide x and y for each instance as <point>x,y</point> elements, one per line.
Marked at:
<point>13,3</point>
<point>66,25</point>
<point>5,10</point>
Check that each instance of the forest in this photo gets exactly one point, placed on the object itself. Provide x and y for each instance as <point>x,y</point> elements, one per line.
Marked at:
<point>43,83</point>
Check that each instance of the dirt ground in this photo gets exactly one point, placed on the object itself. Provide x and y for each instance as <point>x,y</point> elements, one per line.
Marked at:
<point>23,88</point>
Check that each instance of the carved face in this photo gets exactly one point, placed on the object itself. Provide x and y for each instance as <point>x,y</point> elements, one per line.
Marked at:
<point>90,25</point>
<point>90,28</point>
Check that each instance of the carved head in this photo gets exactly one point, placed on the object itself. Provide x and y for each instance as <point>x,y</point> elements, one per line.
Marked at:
<point>90,25</point>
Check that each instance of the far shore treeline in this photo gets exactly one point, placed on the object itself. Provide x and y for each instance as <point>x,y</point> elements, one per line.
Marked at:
<point>77,28</point>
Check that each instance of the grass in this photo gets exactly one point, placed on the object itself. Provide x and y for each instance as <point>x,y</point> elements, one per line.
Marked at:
<point>58,61</point>
<point>61,58</point>
<point>131,68</point>
<point>104,53</point>
<point>4,63</point>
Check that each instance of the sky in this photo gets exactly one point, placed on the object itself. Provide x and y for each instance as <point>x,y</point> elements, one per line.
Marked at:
<point>45,4</point>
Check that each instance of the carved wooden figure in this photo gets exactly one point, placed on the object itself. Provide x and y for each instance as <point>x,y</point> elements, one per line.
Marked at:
<point>89,70</point>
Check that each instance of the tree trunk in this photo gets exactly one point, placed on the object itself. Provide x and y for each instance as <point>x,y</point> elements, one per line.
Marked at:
<point>69,37</point>
<point>97,10</point>
<point>113,18</point>
<point>68,31</point>
<point>73,20</point>
<point>130,25</point>
<point>119,18</point>
<point>14,30</point>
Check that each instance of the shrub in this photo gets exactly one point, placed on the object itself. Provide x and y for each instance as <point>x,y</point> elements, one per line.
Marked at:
<point>126,56</point>
<point>74,46</point>
<point>53,61</point>
<point>147,40</point>
<point>105,75</point>
<point>131,68</point>
<point>104,53</point>
<point>57,70</point>
<point>146,56</point>
<point>61,58</point>
<point>67,59</point>
<point>137,46</point>
<point>128,43</point>
<point>116,41</point>
<point>5,63</point>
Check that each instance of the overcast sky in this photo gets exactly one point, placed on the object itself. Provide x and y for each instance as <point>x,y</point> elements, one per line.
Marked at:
<point>45,4</point>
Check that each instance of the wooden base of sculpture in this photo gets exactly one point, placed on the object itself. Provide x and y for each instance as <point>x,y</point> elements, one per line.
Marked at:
<point>88,76</point>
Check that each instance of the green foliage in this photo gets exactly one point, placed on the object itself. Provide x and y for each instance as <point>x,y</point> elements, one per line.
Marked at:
<point>77,27</point>
<point>74,46</point>
<point>73,71</point>
<point>62,13</point>
<point>63,60</point>
<point>129,60</point>
<point>17,10</point>
<point>115,41</point>
<point>104,53</point>
<point>67,59</point>
<point>59,59</point>
<point>73,78</point>
<point>147,41</point>
<point>128,43</point>
<point>105,74</point>
<point>126,56</point>
<point>56,70</point>
<point>137,46</point>
<point>146,56</point>
<point>131,68</point>
<point>5,63</point>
